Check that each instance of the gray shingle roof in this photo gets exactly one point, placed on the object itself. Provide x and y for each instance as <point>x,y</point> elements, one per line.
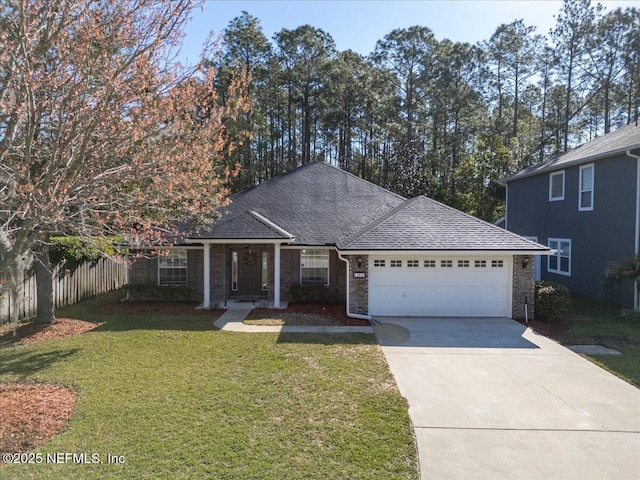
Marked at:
<point>317,203</point>
<point>613,143</point>
<point>425,224</point>
<point>244,225</point>
<point>321,205</point>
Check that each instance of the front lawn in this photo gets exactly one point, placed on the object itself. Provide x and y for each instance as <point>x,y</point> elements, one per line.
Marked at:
<point>594,323</point>
<point>172,397</point>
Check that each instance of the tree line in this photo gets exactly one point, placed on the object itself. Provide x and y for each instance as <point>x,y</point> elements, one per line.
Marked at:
<point>423,116</point>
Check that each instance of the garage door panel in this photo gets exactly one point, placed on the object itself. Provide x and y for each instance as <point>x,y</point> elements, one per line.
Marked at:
<point>450,291</point>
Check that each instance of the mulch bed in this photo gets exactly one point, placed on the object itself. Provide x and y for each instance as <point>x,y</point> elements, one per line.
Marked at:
<point>555,329</point>
<point>34,332</point>
<point>336,311</point>
<point>32,413</point>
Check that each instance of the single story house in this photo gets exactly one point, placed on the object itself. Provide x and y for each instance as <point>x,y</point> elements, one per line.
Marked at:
<point>383,254</point>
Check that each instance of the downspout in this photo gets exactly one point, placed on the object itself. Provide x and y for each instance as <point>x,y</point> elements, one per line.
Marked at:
<point>637,239</point>
<point>349,314</point>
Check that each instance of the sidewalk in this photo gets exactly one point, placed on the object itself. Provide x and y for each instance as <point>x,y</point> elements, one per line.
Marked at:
<point>231,321</point>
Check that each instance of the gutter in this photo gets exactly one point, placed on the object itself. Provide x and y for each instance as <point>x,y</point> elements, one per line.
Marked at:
<point>555,166</point>
<point>349,314</point>
<point>637,239</point>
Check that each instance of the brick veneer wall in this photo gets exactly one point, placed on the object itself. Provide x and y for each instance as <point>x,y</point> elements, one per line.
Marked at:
<point>359,287</point>
<point>523,287</point>
<point>144,271</point>
<point>290,273</point>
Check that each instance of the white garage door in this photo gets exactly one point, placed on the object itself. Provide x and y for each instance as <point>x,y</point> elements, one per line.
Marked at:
<point>439,286</point>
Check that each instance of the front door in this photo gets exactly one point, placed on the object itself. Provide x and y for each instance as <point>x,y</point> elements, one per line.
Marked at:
<point>249,268</point>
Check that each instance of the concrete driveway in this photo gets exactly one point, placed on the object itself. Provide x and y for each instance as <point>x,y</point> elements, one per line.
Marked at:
<point>490,399</point>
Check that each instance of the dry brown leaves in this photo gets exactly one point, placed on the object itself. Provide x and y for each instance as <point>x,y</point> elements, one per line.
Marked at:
<point>32,413</point>
<point>34,332</point>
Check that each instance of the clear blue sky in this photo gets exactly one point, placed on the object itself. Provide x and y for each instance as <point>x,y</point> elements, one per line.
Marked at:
<point>357,25</point>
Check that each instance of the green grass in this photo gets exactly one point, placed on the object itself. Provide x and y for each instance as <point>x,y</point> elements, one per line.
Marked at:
<point>181,400</point>
<point>596,323</point>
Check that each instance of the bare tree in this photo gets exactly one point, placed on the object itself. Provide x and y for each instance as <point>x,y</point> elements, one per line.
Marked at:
<point>100,132</point>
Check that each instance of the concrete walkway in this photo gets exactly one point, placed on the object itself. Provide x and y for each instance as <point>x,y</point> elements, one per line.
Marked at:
<point>491,399</point>
<point>231,321</point>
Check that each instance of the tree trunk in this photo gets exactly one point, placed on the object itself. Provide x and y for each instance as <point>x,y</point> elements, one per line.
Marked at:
<point>44,286</point>
<point>14,278</point>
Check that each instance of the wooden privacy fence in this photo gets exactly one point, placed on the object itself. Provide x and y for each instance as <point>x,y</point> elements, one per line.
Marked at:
<point>69,286</point>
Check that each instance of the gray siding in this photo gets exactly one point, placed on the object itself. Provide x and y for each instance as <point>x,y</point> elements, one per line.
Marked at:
<point>598,238</point>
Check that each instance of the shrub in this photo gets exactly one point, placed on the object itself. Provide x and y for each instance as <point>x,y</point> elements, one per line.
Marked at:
<point>312,292</point>
<point>552,300</point>
<point>76,250</point>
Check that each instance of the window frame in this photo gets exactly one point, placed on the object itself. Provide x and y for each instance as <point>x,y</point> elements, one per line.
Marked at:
<point>581,190</point>
<point>558,256</point>
<point>316,255</point>
<point>168,260</point>
<point>551,177</point>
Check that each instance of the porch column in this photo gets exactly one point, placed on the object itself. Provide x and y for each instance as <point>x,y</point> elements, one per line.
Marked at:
<point>206,303</point>
<point>276,275</point>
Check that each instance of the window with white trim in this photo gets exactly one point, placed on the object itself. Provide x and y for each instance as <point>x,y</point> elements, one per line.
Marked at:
<point>379,263</point>
<point>463,263</point>
<point>556,186</point>
<point>446,263</point>
<point>172,268</point>
<point>314,266</point>
<point>395,263</point>
<point>497,263</point>
<point>429,263</point>
<point>413,263</point>
<point>585,200</point>
<point>560,262</point>
<point>480,264</point>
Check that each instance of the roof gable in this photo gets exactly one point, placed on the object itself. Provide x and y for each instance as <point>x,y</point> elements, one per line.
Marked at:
<point>317,203</point>
<point>425,224</point>
<point>613,143</point>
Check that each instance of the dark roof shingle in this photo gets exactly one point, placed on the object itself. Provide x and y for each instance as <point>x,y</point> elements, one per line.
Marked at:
<point>613,143</point>
<point>425,224</point>
<point>317,203</point>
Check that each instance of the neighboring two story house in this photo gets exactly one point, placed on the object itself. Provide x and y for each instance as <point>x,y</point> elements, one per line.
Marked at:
<point>584,204</point>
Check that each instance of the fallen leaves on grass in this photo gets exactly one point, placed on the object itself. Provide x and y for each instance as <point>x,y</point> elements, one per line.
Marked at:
<point>32,413</point>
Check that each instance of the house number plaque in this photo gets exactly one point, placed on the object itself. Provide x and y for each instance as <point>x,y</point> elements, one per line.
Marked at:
<point>359,275</point>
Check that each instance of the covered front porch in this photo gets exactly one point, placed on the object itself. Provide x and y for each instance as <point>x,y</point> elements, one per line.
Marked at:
<point>237,273</point>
